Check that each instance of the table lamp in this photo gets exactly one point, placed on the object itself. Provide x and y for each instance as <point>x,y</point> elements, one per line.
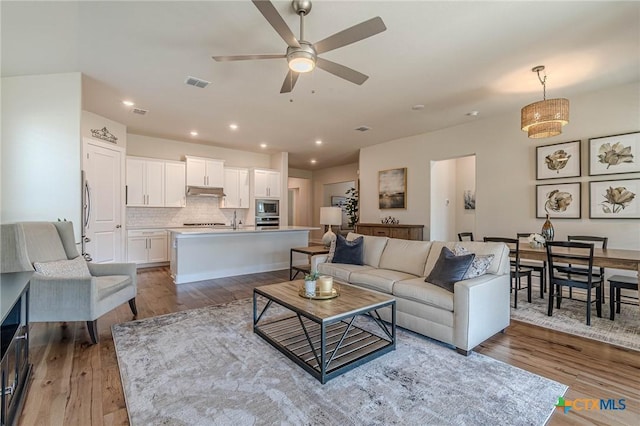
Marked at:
<point>330,216</point>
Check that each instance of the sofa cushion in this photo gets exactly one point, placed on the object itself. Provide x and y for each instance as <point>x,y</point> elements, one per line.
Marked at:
<point>480,248</point>
<point>373,247</point>
<point>110,284</point>
<point>418,290</point>
<point>405,256</point>
<point>341,271</point>
<point>449,269</point>
<point>479,265</point>
<point>349,252</point>
<point>378,279</point>
<point>74,268</point>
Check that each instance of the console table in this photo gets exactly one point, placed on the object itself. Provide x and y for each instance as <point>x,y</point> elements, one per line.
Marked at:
<point>14,344</point>
<point>404,232</point>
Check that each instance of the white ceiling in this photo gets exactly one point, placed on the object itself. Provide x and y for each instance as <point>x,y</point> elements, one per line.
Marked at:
<point>452,57</point>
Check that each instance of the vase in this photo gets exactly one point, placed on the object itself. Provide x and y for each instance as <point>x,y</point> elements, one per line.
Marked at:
<point>547,230</point>
<point>310,288</point>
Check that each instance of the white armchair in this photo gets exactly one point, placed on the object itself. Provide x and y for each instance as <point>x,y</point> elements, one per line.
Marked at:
<point>70,297</point>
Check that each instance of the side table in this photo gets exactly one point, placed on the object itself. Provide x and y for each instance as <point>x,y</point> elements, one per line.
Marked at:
<point>309,251</point>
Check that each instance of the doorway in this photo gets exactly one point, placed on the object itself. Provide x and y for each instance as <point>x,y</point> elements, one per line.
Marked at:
<point>453,197</point>
<point>335,195</point>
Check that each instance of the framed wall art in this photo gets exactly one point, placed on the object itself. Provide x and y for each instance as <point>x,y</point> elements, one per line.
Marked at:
<point>614,199</point>
<point>392,189</point>
<point>559,201</point>
<point>616,154</point>
<point>560,160</point>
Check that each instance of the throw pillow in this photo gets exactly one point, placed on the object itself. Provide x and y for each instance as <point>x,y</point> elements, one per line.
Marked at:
<point>74,268</point>
<point>332,250</point>
<point>479,265</point>
<point>449,269</point>
<point>350,252</point>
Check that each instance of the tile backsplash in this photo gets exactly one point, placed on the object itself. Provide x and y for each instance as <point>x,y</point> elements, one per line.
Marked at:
<point>198,209</point>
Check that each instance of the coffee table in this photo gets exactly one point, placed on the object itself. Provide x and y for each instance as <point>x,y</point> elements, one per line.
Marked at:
<point>321,336</point>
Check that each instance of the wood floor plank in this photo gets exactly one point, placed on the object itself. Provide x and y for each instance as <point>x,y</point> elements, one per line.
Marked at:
<point>74,383</point>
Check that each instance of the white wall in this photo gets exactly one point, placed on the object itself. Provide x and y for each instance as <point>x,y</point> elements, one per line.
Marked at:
<point>505,168</point>
<point>41,148</point>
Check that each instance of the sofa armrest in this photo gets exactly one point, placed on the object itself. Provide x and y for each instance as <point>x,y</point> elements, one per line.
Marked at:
<point>62,299</point>
<point>318,259</point>
<point>104,269</point>
<point>481,308</point>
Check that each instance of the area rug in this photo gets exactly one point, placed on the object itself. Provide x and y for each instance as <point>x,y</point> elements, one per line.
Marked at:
<point>571,318</point>
<point>207,367</point>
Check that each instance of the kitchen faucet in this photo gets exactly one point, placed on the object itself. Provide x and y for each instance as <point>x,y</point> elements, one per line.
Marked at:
<point>233,223</point>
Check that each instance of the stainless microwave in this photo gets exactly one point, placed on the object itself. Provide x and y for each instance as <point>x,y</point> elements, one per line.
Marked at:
<point>267,208</point>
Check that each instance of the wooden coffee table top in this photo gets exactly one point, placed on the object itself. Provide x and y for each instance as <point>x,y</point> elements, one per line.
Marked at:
<point>350,301</point>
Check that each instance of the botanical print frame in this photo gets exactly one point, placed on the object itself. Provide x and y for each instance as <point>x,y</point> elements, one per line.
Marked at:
<point>392,189</point>
<point>611,155</point>
<point>614,199</point>
<point>559,201</point>
<point>558,160</point>
<point>469,199</point>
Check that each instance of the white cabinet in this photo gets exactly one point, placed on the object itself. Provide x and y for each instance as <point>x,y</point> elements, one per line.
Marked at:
<point>145,182</point>
<point>205,172</point>
<point>174,184</point>
<point>236,188</point>
<point>147,246</point>
<point>266,183</point>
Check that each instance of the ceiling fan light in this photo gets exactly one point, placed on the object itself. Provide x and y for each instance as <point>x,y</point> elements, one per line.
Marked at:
<point>301,61</point>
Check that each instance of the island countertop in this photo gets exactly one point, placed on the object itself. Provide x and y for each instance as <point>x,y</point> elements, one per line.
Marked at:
<point>208,231</point>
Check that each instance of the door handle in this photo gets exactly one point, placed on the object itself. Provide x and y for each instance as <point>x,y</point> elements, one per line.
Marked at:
<point>118,226</point>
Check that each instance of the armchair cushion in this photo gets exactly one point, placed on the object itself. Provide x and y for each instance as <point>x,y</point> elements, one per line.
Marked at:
<point>73,268</point>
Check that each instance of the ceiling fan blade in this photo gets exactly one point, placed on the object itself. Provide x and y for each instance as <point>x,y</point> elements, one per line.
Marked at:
<point>342,71</point>
<point>273,17</point>
<point>356,33</point>
<point>246,57</point>
<point>289,81</point>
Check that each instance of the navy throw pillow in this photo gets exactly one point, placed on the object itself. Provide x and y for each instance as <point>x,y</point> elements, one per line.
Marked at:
<point>350,252</point>
<point>449,269</point>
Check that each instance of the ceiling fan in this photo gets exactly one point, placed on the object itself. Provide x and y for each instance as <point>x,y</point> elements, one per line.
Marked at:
<point>301,55</point>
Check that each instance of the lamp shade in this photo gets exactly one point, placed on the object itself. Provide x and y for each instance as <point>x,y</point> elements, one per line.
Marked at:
<point>330,215</point>
<point>545,118</point>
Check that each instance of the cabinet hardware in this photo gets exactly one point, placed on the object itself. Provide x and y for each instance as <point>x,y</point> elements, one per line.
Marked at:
<point>25,336</point>
<point>10,389</point>
<point>118,226</point>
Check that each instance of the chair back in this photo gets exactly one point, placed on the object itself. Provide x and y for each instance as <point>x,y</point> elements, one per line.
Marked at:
<point>49,241</point>
<point>591,239</point>
<point>463,235</point>
<point>514,248</point>
<point>562,255</point>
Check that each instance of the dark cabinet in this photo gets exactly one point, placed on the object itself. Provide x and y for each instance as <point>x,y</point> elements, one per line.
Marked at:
<point>14,345</point>
<point>404,232</point>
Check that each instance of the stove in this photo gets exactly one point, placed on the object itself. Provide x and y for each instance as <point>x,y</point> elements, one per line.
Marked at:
<point>204,224</point>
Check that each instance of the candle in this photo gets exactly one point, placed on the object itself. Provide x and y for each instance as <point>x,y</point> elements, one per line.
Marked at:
<point>325,283</point>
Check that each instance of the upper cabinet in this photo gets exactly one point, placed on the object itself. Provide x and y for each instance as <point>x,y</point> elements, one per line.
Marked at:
<point>145,182</point>
<point>266,183</point>
<point>175,176</point>
<point>236,188</point>
<point>155,183</point>
<point>206,172</point>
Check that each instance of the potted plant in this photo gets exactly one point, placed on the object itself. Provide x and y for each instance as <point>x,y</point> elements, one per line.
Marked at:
<point>310,283</point>
<point>351,206</point>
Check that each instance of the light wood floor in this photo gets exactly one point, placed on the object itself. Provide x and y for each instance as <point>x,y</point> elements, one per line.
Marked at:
<point>74,383</point>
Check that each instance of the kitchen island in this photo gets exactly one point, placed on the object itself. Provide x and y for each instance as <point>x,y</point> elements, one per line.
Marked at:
<point>205,253</point>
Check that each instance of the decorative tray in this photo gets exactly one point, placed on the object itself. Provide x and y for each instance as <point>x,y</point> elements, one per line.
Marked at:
<point>319,295</point>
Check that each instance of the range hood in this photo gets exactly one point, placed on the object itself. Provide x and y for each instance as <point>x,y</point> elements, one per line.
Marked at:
<point>205,191</point>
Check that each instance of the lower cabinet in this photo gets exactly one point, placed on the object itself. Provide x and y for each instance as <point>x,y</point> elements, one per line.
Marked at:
<point>147,246</point>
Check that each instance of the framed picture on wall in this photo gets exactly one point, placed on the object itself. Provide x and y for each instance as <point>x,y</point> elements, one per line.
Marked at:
<point>560,160</point>
<point>392,189</point>
<point>559,201</point>
<point>616,154</point>
<point>614,199</point>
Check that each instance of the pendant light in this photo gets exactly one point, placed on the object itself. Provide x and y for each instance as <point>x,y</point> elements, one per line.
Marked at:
<point>545,118</point>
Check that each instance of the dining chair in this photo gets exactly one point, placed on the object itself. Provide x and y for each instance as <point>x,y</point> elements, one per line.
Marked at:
<point>601,243</point>
<point>561,255</point>
<point>463,235</point>
<point>616,284</point>
<point>517,270</point>
<point>536,266</point>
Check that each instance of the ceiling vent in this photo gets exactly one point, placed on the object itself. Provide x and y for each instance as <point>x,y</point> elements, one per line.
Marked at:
<point>197,82</point>
<point>363,128</point>
<point>139,111</point>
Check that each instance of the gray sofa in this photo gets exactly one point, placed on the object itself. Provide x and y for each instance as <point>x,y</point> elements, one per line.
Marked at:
<point>476,310</point>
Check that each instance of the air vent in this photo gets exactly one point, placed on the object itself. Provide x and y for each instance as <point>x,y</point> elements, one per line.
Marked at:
<point>362,128</point>
<point>139,111</point>
<point>197,82</point>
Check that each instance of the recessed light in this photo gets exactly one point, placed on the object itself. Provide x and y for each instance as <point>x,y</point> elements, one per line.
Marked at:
<point>233,126</point>
<point>263,145</point>
<point>194,133</point>
<point>473,113</point>
<point>313,161</point>
<point>318,142</point>
<point>417,107</point>
<point>128,103</point>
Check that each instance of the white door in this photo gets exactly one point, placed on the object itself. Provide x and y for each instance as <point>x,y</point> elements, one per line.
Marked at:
<point>273,183</point>
<point>243,188</point>
<point>174,185</point>
<point>104,213</point>
<point>196,172</point>
<point>136,191</point>
<point>154,183</point>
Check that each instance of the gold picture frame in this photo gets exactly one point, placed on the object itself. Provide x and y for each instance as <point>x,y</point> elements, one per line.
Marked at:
<point>392,188</point>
